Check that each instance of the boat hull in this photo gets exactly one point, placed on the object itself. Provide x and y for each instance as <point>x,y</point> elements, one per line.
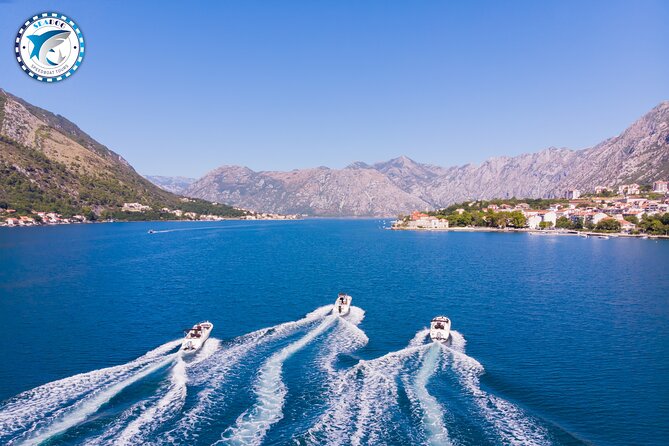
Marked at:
<point>342,308</point>
<point>440,329</point>
<point>192,344</point>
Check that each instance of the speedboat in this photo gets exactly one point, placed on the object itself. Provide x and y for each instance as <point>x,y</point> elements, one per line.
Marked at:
<point>196,337</point>
<point>151,231</point>
<point>440,328</point>
<point>342,305</point>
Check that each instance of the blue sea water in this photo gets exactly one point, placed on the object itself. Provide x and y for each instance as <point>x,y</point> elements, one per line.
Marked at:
<point>558,340</point>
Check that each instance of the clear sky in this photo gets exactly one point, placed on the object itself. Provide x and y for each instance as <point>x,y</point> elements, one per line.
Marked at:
<point>179,88</point>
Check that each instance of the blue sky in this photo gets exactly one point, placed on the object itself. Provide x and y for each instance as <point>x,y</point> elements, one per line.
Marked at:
<point>179,88</point>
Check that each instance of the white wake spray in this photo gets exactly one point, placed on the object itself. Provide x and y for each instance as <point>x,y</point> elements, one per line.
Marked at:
<point>510,423</point>
<point>36,409</point>
<point>86,407</point>
<point>360,407</point>
<point>213,372</point>
<point>431,412</point>
<point>345,338</point>
<point>164,409</point>
<point>252,425</point>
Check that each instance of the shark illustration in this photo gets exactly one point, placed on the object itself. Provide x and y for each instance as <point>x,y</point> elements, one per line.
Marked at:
<point>45,43</point>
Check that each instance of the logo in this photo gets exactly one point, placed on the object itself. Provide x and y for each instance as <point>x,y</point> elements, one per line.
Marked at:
<point>49,47</point>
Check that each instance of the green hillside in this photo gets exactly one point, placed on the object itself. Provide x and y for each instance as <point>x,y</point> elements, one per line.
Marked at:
<point>47,163</point>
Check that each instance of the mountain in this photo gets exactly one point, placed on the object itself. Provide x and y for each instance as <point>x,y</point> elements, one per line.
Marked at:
<point>176,185</point>
<point>639,154</point>
<point>47,163</point>
<point>319,191</point>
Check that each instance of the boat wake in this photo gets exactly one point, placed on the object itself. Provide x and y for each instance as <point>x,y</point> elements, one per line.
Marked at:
<point>213,374</point>
<point>509,422</point>
<point>270,391</point>
<point>360,406</point>
<point>164,397</point>
<point>429,410</point>
<point>41,413</point>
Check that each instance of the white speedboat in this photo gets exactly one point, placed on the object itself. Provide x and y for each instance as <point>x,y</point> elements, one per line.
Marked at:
<point>342,305</point>
<point>196,337</point>
<point>440,328</point>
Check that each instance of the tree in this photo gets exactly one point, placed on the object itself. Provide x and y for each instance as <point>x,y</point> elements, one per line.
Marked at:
<point>545,225</point>
<point>632,219</point>
<point>608,224</point>
<point>517,219</point>
<point>563,223</point>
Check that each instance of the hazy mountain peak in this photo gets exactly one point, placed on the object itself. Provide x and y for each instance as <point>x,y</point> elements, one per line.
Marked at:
<point>358,165</point>
<point>640,153</point>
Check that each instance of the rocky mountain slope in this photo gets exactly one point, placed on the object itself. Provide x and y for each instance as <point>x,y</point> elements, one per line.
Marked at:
<point>47,163</point>
<point>640,153</point>
<point>176,185</point>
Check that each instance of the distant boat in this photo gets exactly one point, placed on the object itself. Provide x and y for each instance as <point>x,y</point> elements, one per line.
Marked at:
<point>196,337</point>
<point>605,237</point>
<point>151,231</point>
<point>583,235</point>
<point>440,329</point>
<point>342,305</point>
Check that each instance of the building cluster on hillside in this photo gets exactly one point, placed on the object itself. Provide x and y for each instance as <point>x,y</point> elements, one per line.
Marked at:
<point>37,218</point>
<point>8,217</point>
<point>628,205</point>
<point>583,210</point>
<point>419,220</point>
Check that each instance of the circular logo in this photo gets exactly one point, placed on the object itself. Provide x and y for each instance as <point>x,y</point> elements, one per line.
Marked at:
<point>49,47</point>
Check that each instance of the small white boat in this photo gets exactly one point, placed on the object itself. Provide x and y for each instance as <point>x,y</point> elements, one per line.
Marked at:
<point>605,237</point>
<point>440,328</point>
<point>342,305</point>
<point>151,231</point>
<point>196,337</point>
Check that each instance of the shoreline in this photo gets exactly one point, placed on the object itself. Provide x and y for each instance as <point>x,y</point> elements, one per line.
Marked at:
<point>534,232</point>
<point>45,225</point>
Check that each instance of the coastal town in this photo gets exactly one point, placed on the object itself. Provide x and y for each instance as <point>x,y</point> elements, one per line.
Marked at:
<point>629,209</point>
<point>9,217</point>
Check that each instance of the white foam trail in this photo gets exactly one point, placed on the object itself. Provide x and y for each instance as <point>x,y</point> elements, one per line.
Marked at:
<point>508,420</point>
<point>346,338</point>
<point>88,406</point>
<point>29,410</point>
<point>419,338</point>
<point>361,406</point>
<point>252,425</point>
<point>144,413</point>
<point>211,346</point>
<point>214,371</point>
<point>164,409</point>
<point>379,394</point>
<point>432,417</point>
<point>165,231</point>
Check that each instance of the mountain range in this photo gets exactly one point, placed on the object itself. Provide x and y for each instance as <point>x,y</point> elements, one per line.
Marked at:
<point>47,163</point>
<point>639,154</point>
